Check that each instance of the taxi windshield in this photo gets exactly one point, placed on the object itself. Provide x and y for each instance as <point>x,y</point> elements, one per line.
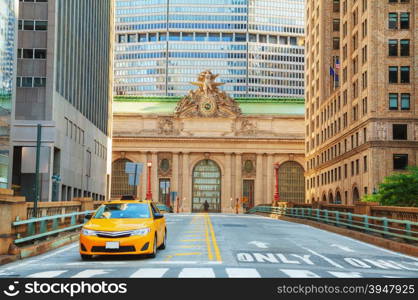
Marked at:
<point>123,211</point>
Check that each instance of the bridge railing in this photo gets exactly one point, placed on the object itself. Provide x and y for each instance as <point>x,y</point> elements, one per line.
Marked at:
<point>388,228</point>
<point>37,228</point>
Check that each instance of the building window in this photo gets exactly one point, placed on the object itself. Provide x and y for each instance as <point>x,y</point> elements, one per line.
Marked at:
<point>336,43</point>
<point>164,191</point>
<point>393,21</point>
<point>405,47</point>
<point>405,74</point>
<point>404,20</point>
<point>393,47</point>
<point>393,101</point>
<point>393,74</point>
<point>336,25</point>
<point>365,168</point>
<point>400,131</point>
<point>405,101</point>
<point>400,161</point>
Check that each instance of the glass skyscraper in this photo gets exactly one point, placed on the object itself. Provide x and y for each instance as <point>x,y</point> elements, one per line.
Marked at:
<point>255,45</point>
<point>7,63</point>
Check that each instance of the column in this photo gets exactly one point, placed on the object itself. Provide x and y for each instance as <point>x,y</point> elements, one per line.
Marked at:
<point>154,177</point>
<point>227,184</point>
<point>175,174</point>
<point>238,178</point>
<point>142,190</point>
<point>270,181</point>
<point>259,197</point>
<point>186,201</point>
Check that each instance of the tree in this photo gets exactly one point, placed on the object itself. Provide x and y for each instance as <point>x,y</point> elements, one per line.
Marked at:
<point>398,189</point>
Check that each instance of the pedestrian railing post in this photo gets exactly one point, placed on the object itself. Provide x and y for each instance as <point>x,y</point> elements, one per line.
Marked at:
<point>350,219</point>
<point>366,223</point>
<point>326,216</point>
<point>337,218</point>
<point>42,227</point>
<point>317,215</point>
<point>385,226</point>
<point>303,212</point>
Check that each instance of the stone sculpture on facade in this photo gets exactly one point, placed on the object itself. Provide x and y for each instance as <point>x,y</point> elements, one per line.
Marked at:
<point>207,100</point>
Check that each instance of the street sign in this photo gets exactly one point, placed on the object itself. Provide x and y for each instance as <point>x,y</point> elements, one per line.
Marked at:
<point>134,170</point>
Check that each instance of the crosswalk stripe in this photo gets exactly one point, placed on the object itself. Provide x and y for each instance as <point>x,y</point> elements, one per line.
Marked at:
<point>242,273</point>
<point>90,273</point>
<point>197,273</point>
<point>149,273</point>
<point>346,274</point>
<point>47,274</point>
<point>300,273</point>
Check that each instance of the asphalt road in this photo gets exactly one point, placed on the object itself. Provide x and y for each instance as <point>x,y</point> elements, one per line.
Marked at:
<point>221,245</point>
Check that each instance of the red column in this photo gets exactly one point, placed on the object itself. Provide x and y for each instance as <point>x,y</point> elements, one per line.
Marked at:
<point>149,192</point>
<point>276,193</point>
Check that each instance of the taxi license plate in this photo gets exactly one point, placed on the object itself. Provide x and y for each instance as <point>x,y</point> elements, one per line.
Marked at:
<point>112,245</point>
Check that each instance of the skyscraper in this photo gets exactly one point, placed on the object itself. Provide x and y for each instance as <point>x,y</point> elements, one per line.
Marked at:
<point>8,27</point>
<point>64,84</point>
<point>361,95</point>
<point>256,46</point>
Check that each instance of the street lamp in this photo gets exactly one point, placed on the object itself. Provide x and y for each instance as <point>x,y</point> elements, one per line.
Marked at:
<point>276,193</point>
<point>149,192</point>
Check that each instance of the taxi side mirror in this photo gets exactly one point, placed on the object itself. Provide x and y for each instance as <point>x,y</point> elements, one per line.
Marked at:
<point>88,216</point>
<point>158,216</point>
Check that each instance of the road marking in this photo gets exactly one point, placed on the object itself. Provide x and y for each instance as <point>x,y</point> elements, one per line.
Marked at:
<point>83,263</point>
<point>149,273</point>
<point>214,243</point>
<point>346,274</point>
<point>90,273</point>
<point>208,247</point>
<point>47,274</point>
<point>259,244</point>
<point>192,240</point>
<point>324,258</point>
<point>168,257</point>
<point>265,257</point>
<point>300,273</point>
<point>242,273</point>
<point>191,246</point>
<point>197,273</point>
<point>357,263</point>
<point>285,260</point>
<point>344,248</point>
<point>177,262</point>
<point>380,263</point>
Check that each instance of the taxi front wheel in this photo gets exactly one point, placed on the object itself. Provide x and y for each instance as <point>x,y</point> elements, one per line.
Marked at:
<point>164,244</point>
<point>86,257</point>
<point>154,248</point>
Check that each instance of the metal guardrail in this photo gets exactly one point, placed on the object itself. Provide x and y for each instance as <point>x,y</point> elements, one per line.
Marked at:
<point>35,231</point>
<point>403,229</point>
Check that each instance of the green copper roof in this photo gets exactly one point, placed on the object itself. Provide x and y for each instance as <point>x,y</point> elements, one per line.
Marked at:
<point>166,105</point>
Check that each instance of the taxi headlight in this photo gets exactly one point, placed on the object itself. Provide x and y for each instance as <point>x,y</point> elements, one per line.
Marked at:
<point>88,232</point>
<point>141,232</point>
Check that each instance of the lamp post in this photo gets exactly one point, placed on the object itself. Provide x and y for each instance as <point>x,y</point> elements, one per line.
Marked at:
<point>276,193</point>
<point>149,192</point>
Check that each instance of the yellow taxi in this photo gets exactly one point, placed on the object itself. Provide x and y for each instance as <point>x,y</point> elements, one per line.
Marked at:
<point>124,227</point>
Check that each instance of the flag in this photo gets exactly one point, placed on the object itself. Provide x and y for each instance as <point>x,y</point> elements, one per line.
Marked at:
<point>331,71</point>
<point>337,63</point>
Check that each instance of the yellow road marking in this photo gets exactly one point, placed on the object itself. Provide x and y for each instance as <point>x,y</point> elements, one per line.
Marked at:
<point>215,244</point>
<point>191,246</point>
<point>192,240</point>
<point>168,257</point>
<point>210,255</point>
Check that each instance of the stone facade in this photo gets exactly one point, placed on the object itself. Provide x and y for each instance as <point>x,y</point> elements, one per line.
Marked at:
<point>350,140</point>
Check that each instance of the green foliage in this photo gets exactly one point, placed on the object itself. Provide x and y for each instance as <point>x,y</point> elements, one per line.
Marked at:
<point>398,189</point>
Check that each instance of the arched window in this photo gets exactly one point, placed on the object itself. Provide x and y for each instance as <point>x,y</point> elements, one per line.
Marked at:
<point>331,198</point>
<point>120,180</point>
<point>356,195</point>
<point>338,198</point>
<point>291,182</point>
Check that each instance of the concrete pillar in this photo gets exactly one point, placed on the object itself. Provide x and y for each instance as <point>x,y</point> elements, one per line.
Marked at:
<point>186,200</point>
<point>259,197</point>
<point>270,181</point>
<point>227,184</point>
<point>154,176</point>
<point>238,177</point>
<point>142,190</point>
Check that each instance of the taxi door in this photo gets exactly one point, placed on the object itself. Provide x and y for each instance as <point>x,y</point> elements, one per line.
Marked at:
<point>159,224</point>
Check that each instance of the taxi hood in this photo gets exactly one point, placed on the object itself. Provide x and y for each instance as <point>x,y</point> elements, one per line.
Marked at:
<point>117,224</point>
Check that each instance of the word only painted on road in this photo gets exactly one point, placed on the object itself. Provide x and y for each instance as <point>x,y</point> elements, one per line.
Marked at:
<point>307,259</point>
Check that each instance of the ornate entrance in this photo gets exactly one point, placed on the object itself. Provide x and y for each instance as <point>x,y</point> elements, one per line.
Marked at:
<point>206,186</point>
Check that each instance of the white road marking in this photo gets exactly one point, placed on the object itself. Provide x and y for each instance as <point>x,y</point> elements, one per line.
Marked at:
<point>47,274</point>
<point>149,273</point>
<point>259,244</point>
<point>344,248</point>
<point>285,260</point>
<point>242,273</point>
<point>325,258</point>
<point>197,273</point>
<point>265,257</point>
<point>305,258</point>
<point>358,263</point>
<point>346,274</point>
<point>90,273</point>
<point>380,263</point>
<point>178,262</point>
<point>300,273</point>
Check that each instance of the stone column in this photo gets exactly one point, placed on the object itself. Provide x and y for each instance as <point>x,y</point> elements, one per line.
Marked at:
<point>259,196</point>
<point>154,176</point>
<point>227,184</point>
<point>186,200</point>
<point>142,190</point>
<point>238,178</point>
<point>175,174</point>
<point>270,181</point>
